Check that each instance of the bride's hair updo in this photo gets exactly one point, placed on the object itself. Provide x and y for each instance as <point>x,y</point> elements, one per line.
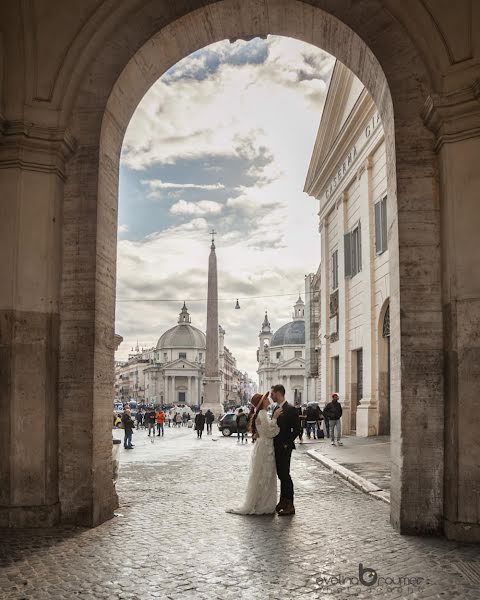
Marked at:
<point>252,417</point>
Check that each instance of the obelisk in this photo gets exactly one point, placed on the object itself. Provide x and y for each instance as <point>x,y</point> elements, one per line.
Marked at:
<point>211,380</point>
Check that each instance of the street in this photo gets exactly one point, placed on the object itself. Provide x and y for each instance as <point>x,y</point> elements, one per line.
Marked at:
<point>172,539</point>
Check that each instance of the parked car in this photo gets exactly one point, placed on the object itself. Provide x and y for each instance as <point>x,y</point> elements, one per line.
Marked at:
<point>228,424</point>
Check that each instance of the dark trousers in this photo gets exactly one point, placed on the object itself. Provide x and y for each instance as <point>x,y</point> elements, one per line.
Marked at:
<point>159,429</point>
<point>282,461</point>
<point>199,433</point>
<point>209,428</point>
<point>127,440</point>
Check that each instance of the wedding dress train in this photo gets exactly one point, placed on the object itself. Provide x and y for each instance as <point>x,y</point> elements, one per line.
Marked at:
<point>261,494</point>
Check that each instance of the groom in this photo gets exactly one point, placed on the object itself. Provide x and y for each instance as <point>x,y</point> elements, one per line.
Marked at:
<point>289,425</point>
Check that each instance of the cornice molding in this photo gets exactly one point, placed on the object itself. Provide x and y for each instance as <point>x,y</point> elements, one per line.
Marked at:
<point>35,148</point>
<point>455,116</point>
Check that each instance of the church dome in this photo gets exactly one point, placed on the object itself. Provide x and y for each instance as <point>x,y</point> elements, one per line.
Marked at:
<point>292,333</point>
<point>183,335</point>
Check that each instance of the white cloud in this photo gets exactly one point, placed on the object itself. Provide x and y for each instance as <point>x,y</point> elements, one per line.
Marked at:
<point>157,184</point>
<point>235,112</point>
<point>122,228</point>
<point>203,207</point>
<point>267,114</point>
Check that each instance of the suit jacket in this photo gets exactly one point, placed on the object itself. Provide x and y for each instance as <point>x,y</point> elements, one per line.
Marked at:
<point>289,425</point>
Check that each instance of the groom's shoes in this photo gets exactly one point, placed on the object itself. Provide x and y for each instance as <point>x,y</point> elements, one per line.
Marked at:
<point>287,509</point>
<point>280,505</point>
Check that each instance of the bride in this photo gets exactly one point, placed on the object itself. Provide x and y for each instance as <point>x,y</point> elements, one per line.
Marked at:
<point>261,495</point>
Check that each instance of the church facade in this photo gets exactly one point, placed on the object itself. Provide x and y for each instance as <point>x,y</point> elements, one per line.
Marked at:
<point>281,356</point>
<point>173,371</point>
<point>349,333</point>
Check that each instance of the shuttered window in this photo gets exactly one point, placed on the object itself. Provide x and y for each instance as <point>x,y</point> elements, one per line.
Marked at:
<point>335,270</point>
<point>348,254</point>
<point>336,373</point>
<point>381,239</point>
<point>353,251</point>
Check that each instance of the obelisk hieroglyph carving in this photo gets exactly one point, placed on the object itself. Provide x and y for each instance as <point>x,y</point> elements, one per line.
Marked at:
<point>212,381</point>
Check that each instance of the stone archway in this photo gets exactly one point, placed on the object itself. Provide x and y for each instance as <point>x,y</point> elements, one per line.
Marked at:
<point>119,51</point>
<point>100,117</point>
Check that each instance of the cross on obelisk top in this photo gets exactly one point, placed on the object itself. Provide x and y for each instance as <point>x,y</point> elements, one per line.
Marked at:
<point>213,233</point>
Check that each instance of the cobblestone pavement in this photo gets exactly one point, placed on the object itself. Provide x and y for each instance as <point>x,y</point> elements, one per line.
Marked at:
<point>173,539</point>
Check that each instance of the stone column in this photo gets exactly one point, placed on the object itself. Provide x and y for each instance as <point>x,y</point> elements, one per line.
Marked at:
<point>32,173</point>
<point>189,390</point>
<point>367,410</point>
<point>174,390</point>
<point>455,120</point>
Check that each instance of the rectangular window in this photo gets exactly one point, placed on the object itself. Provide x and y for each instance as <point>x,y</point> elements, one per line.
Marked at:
<point>336,373</point>
<point>353,251</point>
<point>165,356</point>
<point>334,325</point>
<point>359,361</point>
<point>298,353</point>
<point>181,397</point>
<point>279,354</point>
<point>182,355</point>
<point>335,270</point>
<point>381,239</point>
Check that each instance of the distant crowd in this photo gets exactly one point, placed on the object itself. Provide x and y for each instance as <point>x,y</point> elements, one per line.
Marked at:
<point>315,423</point>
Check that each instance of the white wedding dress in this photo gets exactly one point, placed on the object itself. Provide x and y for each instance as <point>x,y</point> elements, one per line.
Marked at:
<point>261,495</point>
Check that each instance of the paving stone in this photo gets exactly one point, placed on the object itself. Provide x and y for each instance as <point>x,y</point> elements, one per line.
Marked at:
<point>176,542</point>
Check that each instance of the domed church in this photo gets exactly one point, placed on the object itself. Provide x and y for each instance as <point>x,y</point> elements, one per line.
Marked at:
<point>179,363</point>
<point>281,355</point>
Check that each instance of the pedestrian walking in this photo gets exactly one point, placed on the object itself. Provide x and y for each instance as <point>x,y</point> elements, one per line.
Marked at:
<point>333,411</point>
<point>209,419</point>
<point>128,426</point>
<point>139,418</point>
<point>150,420</point>
<point>199,423</point>
<point>242,423</point>
<point>169,418</point>
<point>160,419</point>
<point>302,416</point>
<point>313,417</point>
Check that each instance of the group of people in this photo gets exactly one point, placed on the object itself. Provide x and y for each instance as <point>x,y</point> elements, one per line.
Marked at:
<point>201,420</point>
<point>318,424</point>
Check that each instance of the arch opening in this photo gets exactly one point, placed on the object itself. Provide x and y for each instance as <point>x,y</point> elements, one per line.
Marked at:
<point>103,107</point>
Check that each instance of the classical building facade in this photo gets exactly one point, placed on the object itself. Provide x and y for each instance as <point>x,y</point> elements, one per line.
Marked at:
<point>281,355</point>
<point>173,371</point>
<point>348,176</point>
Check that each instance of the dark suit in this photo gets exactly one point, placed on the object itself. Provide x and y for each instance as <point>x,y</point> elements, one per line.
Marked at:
<point>289,425</point>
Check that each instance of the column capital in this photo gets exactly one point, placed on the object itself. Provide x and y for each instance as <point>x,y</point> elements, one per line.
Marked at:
<point>35,148</point>
<point>454,116</point>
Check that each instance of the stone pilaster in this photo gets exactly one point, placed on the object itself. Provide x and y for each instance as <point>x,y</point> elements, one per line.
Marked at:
<point>455,120</point>
<point>32,173</point>
<point>367,410</point>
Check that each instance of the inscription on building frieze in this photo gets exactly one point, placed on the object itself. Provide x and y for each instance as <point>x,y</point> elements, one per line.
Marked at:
<point>344,167</point>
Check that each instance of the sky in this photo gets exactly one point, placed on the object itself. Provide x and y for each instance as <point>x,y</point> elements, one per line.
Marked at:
<point>222,140</point>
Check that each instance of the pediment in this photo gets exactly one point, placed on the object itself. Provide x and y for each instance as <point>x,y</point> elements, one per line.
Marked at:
<point>181,363</point>
<point>292,363</point>
<point>343,92</point>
